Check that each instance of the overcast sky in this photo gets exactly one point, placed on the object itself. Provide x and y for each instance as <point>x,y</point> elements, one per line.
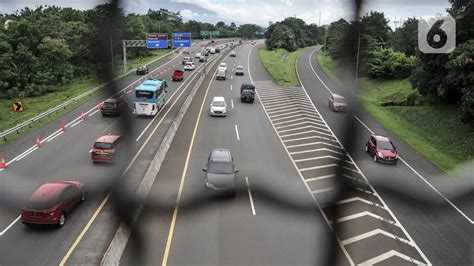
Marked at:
<point>257,11</point>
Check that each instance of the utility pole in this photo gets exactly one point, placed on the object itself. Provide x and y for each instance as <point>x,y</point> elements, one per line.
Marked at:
<point>357,61</point>
<point>124,57</point>
<point>111,50</point>
<point>325,43</point>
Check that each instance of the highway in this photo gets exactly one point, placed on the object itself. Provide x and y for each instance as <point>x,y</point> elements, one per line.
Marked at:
<point>67,155</point>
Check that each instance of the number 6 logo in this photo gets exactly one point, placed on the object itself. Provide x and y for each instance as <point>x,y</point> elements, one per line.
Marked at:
<point>437,35</point>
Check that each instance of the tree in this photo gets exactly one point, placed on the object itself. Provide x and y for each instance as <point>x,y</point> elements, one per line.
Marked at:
<point>248,30</point>
<point>389,64</point>
<point>281,36</point>
<point>405,38</point>
<point>335,38</point>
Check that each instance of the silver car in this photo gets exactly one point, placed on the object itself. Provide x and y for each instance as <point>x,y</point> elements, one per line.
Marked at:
<point>220,172</point>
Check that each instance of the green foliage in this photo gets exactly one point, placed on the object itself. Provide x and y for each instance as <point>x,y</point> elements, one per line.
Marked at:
<point>291,34</point>
<point>405,38</point>
<point>281,65</point>
<point>389,64</point>
<point>336,36</point>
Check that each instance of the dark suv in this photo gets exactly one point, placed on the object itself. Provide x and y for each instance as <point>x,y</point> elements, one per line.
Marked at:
<point>220,172</point>
<point>112,107</point>
<point>142,70</point>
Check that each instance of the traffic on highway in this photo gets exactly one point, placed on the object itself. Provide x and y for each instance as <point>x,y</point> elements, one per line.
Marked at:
<point>311,139</point>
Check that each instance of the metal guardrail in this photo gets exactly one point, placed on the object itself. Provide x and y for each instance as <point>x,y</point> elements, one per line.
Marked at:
<point>28,123</point>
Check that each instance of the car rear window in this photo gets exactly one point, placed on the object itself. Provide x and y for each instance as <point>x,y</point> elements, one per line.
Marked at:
<point>109,104</point>
<point>43,205</point>
<point>103,145</point>
<point>240,68</point>
<point>339,100</point>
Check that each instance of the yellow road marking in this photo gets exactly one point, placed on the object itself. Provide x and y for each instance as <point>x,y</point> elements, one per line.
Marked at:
<point>181,185</point>
<point>101,206</point>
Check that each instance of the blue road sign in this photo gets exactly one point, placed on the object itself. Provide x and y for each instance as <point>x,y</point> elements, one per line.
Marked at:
<point>157,40</point>
<point>181,40</point>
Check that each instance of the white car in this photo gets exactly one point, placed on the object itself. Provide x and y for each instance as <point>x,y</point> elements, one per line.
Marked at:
<point>198,55</point>
<point>189,66</point>
<point>233,54</point>
<point>239,70</point>
<point>222,66</point>
<point>218,107</point>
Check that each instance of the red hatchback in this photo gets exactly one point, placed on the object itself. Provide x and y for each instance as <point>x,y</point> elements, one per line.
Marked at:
<point>52,201</point>
<point>382,149</point>
<point>106,148</point>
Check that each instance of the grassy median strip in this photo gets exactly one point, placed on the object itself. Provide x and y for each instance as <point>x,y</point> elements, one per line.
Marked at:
<point>40,104</point>
<point>281,65</point>
<point>433,130</point>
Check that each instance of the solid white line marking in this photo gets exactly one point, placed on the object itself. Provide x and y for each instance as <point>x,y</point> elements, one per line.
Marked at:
<point>283,109</point>
<point>237,132</point>
<point>55,136</point>
<point>230,86</point>
<point>306,120</point>
<point>390,254</point>
<point>26,154</point>
<point>363,214</point>
<point>232,103</point>
<point>355,199</point>
<point>79,121</point>
<point>318,167</point>
<point>322,190</point>
<point>308,123</point>
<point>250,196</point>
<point>373,233</point>
<point>93,113</point>
<point>306,132</point>
<point>319,178</point>
<point>312,137</point>
<point>90,151</point>
<point>316,150</point>
<point>322,157</point>
<point>8,227</point>
<point>313,143</point>
<point>293,129</point>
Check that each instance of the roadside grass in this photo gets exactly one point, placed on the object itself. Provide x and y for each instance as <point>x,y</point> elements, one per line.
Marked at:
<point>37,105</point>
<point>433,130</point>
<point>280,64</point>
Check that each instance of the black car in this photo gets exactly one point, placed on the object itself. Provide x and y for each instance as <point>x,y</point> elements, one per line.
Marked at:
<point>142,70</point>
<point>247,93</point>
<point>112,107</point>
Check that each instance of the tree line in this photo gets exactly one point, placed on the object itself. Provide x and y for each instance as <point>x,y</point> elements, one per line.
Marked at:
<point>43,49</point>
<point>393,54</point>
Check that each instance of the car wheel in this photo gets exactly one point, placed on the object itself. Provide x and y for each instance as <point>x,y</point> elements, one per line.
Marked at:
<point>366,148</point>
<point>375,158</point>
<point>83,196</point>
<point>62,219</point>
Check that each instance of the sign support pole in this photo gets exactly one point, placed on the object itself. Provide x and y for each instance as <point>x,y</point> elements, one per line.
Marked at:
<point>124,57</point>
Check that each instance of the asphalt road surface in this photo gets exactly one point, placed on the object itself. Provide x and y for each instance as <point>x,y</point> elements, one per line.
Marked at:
<point>67,155</point>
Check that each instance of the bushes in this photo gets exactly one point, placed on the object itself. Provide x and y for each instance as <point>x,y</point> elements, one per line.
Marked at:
<point>389,64</point>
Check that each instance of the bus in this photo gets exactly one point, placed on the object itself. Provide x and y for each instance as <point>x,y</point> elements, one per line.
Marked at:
<point>150,97</point>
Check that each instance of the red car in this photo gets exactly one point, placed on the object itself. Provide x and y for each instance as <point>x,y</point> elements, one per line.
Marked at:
<point>178,75</point>
<point>106,148</point>
<point>52,201</point>
<point>382,149</point>
<point>337,103</point>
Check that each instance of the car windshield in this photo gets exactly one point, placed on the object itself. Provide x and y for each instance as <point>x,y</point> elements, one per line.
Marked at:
<point>220,168</point>
<point>384,145</point>
<point>218,104</point>
<point>144,94</point>
<point>103,145</point>
<point>223,65</point>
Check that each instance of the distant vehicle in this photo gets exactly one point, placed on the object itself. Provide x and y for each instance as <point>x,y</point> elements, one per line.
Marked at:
<point>233,54</point>
<point>218,107</point>
<point>202,58</point>
<point>239,70</point>
<point>150,97</point>
<point>178,75</point>
<point>221,74</point>
<point>186,59</point>
<point>337,103</point>
<point>382,149</point>
<point>52,202</point>
<point>218,49</point>
<point>106,148</point>
<point>212,50</point>
<point>189,66</point>
<point>222,66</point>
<point>247,93</point>
<point>198,55</point>
<point>142,70</point>
<point>254,42</point>
<point>220,172</point>
<point>112,106</point>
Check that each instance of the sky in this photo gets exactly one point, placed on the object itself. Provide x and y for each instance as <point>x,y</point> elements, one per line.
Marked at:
<point>260,12</point>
